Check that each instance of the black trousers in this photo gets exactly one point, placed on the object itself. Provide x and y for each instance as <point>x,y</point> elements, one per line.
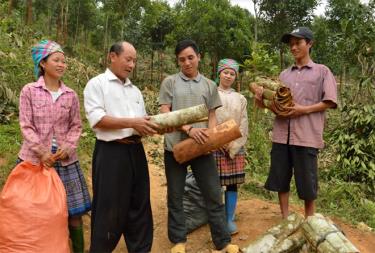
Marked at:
<point>121,198</point>
<point>207,177</point>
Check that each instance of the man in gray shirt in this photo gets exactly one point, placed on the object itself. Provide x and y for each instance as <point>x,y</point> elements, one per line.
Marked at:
<point>185,89</point>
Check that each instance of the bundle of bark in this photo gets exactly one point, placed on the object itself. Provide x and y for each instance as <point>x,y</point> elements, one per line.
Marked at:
<point>316,234</point>
<point>276,96</point>
<point>178,118</point>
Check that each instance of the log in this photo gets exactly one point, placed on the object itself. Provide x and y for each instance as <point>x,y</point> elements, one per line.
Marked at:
<point>325,237</point>
<point>217,137</point>
<point>181,117</point>
<point>283,238</point>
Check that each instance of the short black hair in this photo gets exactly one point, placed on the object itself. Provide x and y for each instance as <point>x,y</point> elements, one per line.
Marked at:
<point>181,45</point>
<point>117,48</point>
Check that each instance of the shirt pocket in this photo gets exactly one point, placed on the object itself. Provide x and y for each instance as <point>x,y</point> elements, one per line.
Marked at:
<point>64,108</point>
<point>312,91</point>
<point>40,108</point>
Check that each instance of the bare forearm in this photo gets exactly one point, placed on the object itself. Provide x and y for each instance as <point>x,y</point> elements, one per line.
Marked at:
<point>212,120</point>
<point>319,107</point>
<point>108,122</point>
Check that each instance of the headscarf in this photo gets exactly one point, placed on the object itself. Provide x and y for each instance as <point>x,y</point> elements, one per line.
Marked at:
<point>226,64</point>
<point>41,50</point>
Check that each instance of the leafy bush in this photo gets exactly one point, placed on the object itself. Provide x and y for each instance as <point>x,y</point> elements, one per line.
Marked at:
<point>354,141</point>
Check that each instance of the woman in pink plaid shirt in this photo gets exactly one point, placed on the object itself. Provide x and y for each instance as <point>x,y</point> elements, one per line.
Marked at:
<point>51,126</point>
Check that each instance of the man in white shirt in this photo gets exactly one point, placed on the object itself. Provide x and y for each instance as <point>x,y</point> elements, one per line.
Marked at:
<point>121,188</point>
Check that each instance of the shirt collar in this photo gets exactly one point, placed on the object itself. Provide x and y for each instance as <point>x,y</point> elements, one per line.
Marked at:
<point>195,79</point>
<point>309,65</point>
<point>42,84</point>
<point>112,77</point>
<point>227,90</point>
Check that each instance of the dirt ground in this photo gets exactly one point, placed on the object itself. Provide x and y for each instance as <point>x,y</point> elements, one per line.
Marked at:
<point>253,216</point>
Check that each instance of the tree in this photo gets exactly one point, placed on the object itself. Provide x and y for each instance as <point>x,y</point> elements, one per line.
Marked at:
<point>219,28</point>
<point>29,12</point>
<point>281,16</point>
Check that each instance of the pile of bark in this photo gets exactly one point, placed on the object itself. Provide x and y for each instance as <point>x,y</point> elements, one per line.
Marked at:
<point>276,96</point>
<point>297,235</point>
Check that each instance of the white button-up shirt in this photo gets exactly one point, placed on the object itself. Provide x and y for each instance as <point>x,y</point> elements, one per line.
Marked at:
<point>106,95</point>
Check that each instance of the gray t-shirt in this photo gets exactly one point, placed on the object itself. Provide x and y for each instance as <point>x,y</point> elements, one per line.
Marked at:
<point>181,92</point>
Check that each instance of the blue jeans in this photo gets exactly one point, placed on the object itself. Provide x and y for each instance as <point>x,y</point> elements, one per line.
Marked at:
<point>206,175</point>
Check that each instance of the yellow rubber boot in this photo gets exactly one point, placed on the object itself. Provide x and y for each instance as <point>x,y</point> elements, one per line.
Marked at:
<point>230,248</point>
<point>178,248</point>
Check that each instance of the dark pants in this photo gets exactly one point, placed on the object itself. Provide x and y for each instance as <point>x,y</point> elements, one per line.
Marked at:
<point>206,175</point>
<point>287,160</point>
<point>121,198</point>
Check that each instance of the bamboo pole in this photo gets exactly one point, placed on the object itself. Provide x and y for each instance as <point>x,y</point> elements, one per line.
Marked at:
<point>181,117</point>
<point>217,137</point>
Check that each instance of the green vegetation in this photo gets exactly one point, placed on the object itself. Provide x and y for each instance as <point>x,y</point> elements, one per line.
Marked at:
<point>344,41</point>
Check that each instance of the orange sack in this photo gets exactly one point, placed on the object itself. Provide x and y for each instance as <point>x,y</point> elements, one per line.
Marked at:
<point>33,211</point>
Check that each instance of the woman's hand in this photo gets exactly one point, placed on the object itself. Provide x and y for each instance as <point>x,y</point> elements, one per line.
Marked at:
<point>61,154</point>
<point>199,135</point>
<point>48,159</point>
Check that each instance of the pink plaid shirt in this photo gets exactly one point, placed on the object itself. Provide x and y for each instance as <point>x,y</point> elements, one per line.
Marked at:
<point>41,119</point>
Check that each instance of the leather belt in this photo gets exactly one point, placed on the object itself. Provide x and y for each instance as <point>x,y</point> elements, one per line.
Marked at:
<point>134,139</point>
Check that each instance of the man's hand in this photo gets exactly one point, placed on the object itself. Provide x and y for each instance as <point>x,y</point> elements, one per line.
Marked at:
<point>297,110</point>
<point>199,135</point>
<point>144,126</point>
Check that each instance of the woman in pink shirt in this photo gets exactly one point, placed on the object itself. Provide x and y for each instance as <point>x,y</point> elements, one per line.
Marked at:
<point>51,126</point>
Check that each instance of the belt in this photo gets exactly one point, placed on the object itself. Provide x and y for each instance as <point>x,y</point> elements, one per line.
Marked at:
<point>134,139</point>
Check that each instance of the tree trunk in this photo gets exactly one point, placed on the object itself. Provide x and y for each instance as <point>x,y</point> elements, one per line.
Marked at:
<point>161,58</point>
<point>217,137</point>
<point>65,27</point>
<point>105,43</point>
<point>10,6</point>
<point>77,24</point>
<point>29,12</point>
<point>256,12</point>
<point>152,67</point>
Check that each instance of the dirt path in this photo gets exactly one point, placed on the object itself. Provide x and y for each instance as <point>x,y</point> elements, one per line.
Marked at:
<point>254,217</point>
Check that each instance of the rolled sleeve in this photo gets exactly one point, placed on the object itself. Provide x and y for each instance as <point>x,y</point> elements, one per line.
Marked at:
<point>28,129</point>
<point>166,91</point>
<point>93,103</point>
<point>329,87</point>
<point>214,101</point>
<point>75,127</point>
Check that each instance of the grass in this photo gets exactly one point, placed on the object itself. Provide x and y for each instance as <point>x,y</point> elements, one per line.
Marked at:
<point>10,144</point>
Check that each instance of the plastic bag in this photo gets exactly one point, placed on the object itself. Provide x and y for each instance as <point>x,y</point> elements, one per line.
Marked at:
<point>194,205</point>
<point>33,211</point>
